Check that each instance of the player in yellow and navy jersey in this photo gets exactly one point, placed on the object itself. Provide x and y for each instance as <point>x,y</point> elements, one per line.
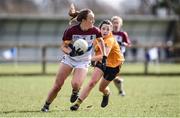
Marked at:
<point>113,63</point>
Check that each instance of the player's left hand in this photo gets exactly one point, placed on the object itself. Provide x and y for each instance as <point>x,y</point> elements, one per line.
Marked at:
<point>79,52</point>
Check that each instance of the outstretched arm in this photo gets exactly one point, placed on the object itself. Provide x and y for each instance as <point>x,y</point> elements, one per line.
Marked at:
<point>101,45</point>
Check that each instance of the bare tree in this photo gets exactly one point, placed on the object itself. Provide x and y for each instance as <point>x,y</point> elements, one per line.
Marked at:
<point>17,6</point>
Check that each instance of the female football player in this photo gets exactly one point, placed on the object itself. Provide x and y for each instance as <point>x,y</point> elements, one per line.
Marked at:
<point>123,41</point>
<point>113,64</point>
<point>75,60</point>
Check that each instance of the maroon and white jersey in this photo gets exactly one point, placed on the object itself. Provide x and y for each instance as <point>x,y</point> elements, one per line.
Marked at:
<point>73,33</point>
<point>121,37</point>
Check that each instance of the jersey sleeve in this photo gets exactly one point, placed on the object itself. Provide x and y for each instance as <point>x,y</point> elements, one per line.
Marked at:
<point>126,38</point>
<point>67,35</point>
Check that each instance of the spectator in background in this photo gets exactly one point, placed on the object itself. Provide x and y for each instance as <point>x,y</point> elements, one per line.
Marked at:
<point>134,50</point>
<point>169,39</point>
<point>123,41</point>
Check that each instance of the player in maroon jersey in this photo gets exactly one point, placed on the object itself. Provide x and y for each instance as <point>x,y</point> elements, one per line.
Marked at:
<point>123,40</point>
<point>75,60</point>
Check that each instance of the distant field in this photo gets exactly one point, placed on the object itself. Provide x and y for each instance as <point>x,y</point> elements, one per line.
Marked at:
<point>126,68</point>
<point>147,96</point>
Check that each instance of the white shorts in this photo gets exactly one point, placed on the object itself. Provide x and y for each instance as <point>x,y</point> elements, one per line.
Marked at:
<point>74,63</point>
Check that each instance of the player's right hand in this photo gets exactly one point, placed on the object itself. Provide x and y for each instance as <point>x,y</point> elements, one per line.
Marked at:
<point>104,63</point>
<point>73,52</point>
<point>79,52</point>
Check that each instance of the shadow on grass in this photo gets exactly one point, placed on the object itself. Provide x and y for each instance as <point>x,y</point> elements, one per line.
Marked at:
<point>24,111</point>
<point>89,107</point>
<point>170,94</point>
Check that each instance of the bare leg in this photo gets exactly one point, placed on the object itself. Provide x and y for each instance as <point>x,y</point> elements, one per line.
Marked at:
<point>78,77</point>
<point>96,76</point>
<point>118,82</point>
<point>106,92</point>
<point>103,87</point>
<point>61,76</point>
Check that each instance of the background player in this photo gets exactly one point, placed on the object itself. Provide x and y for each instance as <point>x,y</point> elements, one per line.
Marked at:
<point>123,41</point>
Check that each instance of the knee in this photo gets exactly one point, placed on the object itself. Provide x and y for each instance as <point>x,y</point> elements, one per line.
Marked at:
<point>76,85</point>
<point>101,89</point>
<point>92,84</point>
<point>117,81</point>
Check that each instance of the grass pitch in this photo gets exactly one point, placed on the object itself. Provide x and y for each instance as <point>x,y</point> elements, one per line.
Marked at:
<point>21,68</point>
<point>147,96</point>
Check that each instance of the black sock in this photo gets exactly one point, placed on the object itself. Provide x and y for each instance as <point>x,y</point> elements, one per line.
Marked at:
<point>75,91</point>
<point>47,104</point>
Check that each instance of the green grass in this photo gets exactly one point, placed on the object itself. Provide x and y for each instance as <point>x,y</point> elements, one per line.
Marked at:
<point>6,68</point>
<point>147,96</point>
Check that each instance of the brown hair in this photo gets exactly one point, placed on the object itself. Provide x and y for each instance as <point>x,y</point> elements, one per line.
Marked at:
<point>79,15</point>
<point>117,18</point>
<point>108,22</point>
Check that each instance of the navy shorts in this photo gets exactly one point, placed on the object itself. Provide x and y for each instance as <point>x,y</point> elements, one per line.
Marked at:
<point>110,73</point>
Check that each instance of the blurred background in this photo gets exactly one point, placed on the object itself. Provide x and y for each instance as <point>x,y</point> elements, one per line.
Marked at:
<point>31,30</point>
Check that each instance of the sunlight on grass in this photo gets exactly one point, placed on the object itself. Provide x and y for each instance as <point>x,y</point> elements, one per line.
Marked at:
<point>147,96</point>
<point>53,67</point>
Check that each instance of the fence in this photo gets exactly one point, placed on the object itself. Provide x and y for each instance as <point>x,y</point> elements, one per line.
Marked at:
<point>43,60</point>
